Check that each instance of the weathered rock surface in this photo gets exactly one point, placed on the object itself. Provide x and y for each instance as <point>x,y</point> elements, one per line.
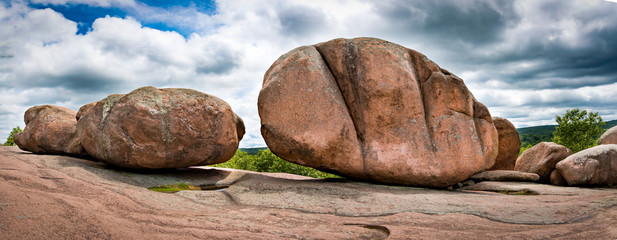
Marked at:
<point>609,137</point>
<point>541,159</point>
<point>58,197</point>
<point>374,110</point>
<point>593,166</point>
<point>557,179</point>
<point>50,129</point>
<point>509,144</point>
<point>160,128</point>
<point>505,175</point>
<point>83,109</point>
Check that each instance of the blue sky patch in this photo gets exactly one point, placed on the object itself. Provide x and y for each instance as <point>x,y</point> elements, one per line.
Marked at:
<point>84,15</point>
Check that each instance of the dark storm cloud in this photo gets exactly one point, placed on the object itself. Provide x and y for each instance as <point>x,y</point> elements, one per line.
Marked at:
<point>300,21</point>
<point>85,80</point>
<point>223,61</point>
<point>588,59</point>
<point>222,65</point>
<point>79,80</point>
<point>565,46</point>
<point>476,22</point>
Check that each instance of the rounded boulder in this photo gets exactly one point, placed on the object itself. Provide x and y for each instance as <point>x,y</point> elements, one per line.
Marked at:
<point>609,137</point>
<point>594,166</point>
<point>373,110</point>
<point>541,159</point>
<point>50,130</point>
<point>160,128</point>
<point>509,144</point>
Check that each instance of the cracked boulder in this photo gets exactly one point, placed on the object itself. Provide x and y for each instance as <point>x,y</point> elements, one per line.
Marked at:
<point>594,166</point>
<point>160,128</point>
<point>50,130</point>
<point>509,144</point>
<point>373,110</point>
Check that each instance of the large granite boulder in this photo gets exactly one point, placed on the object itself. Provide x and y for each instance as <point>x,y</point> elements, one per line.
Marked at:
<point>541,159</point>
<point>160,128</point>
<point>509,144</point>
<point>596,166</point>
<point>50,130</point>
<point>374,110</point>
<point>609,137</point>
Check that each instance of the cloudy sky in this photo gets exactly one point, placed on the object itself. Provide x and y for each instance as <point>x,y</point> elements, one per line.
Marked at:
<point>527,60</point>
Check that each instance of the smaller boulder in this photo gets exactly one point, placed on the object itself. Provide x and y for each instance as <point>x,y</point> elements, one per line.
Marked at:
<point>609,137</point>
<point>505,175</point>
<point>50,130</point>
<point>152,128</point>
<point>509,144</point>
<point>557,179</point>
<point>594,166</point>
<point>541,159</point>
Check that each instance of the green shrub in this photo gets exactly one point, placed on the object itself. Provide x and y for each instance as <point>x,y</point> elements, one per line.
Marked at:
<point>266,161</point>
<point>10,141</point>
<point>524,148</point>
<point>578,130</point>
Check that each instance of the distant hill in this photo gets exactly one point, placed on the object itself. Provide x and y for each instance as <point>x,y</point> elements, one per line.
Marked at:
<point>536,134</point>
<point>252,151</point>
<point>610,124</point>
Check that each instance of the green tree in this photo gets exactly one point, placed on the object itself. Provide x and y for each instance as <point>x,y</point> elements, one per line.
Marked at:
<point>10,141</point>
<point>524,148</point>
<point>578,130</point>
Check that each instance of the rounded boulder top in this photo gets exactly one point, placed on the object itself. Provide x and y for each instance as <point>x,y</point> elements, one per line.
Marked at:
<point>160,128</point>
<point>370,109</point>
<point>609,137</point>
<point>50,130</point>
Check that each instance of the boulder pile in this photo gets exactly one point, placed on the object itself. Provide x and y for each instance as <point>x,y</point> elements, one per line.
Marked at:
<point>50,130</point>
<point>370,109</point>
<point>541,159</point>
<point>147,128</point>
<point>363,108</point>
<point>555,164</point>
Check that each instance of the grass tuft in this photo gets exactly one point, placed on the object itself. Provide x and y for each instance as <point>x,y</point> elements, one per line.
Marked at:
<point>173,188</point>
<point>519,192</point>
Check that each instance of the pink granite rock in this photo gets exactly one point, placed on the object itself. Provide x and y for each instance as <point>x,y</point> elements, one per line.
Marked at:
<point>541,159</point>
<point>509,144</point>
<point>374,110</point>
<point>594,166</point>
<point>609,137</point>
<point>50,129</point>
<point>160,128</point>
